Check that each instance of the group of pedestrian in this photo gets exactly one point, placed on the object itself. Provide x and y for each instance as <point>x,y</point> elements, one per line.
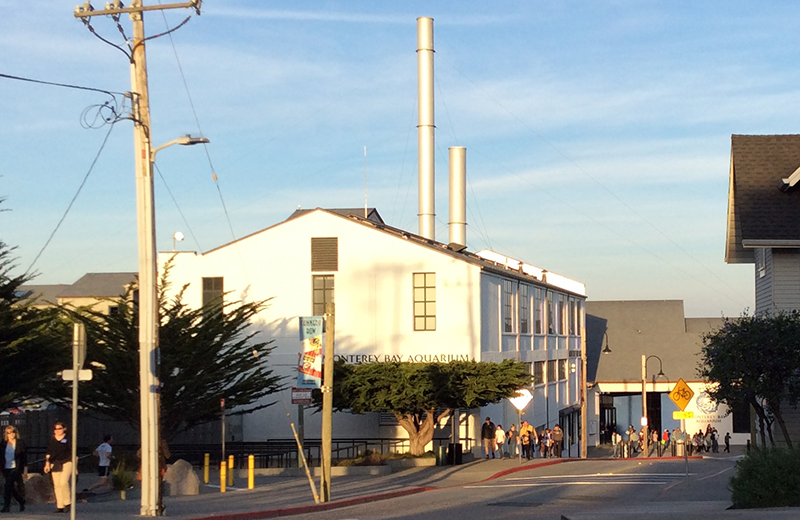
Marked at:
<point>525,442</point>
<point>57,463</point>
<point>630,442</point>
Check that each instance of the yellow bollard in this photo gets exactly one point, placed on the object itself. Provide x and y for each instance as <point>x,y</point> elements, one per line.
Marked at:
<point>206,462</point>
<point>222,477</point>
<point>251,473</point>
<point>230,470</point>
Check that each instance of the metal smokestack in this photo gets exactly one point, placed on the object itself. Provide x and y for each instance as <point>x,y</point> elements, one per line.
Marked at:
<point>458,198</point>
<point>425,128</point>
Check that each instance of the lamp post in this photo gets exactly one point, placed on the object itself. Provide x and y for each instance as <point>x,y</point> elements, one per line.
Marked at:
<point>645,428</point>
<point>148,323</point>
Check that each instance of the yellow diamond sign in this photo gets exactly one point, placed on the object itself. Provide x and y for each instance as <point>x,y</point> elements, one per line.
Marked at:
<point>681,394</point>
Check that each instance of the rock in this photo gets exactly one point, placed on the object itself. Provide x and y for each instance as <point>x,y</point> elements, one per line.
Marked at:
<point>181,479</point>
<point>39,489</point>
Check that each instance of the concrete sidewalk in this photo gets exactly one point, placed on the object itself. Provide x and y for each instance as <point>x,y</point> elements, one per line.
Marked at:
<point>281,496</point>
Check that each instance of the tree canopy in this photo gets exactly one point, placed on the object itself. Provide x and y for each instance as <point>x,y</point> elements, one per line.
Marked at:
<point>413,392</point>
<point>206,354</point>
<point>755,360</point>
<point>32,345</point>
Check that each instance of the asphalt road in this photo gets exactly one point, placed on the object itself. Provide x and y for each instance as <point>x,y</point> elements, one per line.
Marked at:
<point>594,489</point>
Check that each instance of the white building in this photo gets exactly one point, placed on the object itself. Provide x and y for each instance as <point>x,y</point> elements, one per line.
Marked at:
<point>400,297</point>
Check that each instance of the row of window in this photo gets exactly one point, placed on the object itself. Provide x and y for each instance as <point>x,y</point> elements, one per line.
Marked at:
<point>556,370</point>
<point>553,312</point>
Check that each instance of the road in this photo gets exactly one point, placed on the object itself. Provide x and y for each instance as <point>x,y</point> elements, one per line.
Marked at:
<point>594,489</point>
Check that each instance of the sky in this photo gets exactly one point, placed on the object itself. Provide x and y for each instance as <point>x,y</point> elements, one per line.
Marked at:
<point>597,133</point>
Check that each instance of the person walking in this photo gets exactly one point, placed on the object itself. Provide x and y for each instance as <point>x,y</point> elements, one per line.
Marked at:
<point>512,441</point>
<point>487,437</point>
<point>727,442</point>
<point>15,464</point>
<point>633,440</point>
<point>103,453</point>
<point>499,440</point>
<point>58,462</point>
<point>616,442</point>
<point>558,440</point>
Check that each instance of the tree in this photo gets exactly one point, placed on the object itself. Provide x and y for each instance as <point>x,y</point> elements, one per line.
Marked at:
<point>32,348</point>
<point>755,360</point>
<point>414,391</point>
<point>205,354</point>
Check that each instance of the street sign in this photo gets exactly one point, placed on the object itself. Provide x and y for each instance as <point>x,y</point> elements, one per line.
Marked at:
<point>83,375</point>
<point>681,394</point>
<point>521,400</point>
<point>682,415</point>
<point>301,396</point>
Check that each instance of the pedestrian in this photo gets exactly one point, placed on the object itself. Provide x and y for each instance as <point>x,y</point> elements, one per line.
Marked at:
<point>633,440</point>
<point>58,462</point>
<point>512,441</point>
<point>525,441</point>
<point>15,464</point>
<point>558,440</point>
<point>727,442</point>
<point>714,440</point>
<point>664,442</point>
<point>499,440</point>
<point>103,453</point>
<point>655,443</point>
<point>545,443</point>
<point>616,442</point>
<point>487,437</point>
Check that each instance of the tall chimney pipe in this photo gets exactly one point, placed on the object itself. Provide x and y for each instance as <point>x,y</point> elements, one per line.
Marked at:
<point>425,128</point>
<point>458,198</point>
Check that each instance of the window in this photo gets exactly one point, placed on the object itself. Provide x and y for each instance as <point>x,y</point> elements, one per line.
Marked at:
<point>325,254</point>
<point>508,306</point>
<point>113,310</point>
<point>538,372</point>
<point>524,303</point>
<point>562,369</point>
<point>212,294</point>
<point>562,314</point>
<point>572,316</point>
<point>538,311</point>
<point>322,293</point>
<point>741,417</point>
<point>551,319</point>
<point>551,371</point>
<point>424,301</point>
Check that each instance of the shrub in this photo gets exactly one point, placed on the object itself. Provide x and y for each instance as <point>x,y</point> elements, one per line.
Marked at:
<point>767,478</point>
<point>121,477</point>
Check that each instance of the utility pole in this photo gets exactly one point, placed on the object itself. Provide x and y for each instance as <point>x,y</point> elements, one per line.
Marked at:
<point>148,294</point>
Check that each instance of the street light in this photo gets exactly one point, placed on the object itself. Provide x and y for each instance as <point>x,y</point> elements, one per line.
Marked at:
<point>645,358</point>
<point>606,350</point>
<point>149,383</point>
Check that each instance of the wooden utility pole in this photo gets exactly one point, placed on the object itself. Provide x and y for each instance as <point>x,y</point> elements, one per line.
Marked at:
<point>148,294</point>
<point>327,402</point>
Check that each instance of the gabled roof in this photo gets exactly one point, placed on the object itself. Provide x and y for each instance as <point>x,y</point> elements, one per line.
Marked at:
<point>506,266</point>
<point>371,213</point>
<point>99,285</point>
<point>763,208</point>
<point>43,293</point>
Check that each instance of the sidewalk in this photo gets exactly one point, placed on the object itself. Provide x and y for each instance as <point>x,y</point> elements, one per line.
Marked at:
<point>281,496</point>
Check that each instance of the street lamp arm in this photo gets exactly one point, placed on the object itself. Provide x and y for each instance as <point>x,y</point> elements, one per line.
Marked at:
<point>185,140</point>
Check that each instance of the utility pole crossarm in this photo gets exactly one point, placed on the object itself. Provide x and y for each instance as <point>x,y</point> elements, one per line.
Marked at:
<point>86,10</point>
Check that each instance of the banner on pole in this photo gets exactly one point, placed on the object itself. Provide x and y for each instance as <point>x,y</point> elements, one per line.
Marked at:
<point>309,371</point>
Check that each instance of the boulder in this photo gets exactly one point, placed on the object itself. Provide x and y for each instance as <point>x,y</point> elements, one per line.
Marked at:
<point>39,489</point>
<point>181,479</point>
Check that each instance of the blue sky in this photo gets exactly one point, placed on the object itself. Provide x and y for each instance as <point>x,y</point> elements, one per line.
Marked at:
<point>597,133</point>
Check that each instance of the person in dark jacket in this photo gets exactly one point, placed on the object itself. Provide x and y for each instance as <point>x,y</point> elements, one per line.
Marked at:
<point>14,466</point>
<point>58,462</point>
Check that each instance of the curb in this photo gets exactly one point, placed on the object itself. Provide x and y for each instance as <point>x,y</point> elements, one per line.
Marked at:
<point>288,511</point>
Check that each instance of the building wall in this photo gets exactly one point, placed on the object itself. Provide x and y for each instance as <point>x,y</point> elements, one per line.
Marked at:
<point>374,314</point>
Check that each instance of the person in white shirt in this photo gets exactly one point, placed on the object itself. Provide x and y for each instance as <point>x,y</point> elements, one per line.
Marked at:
<point>499,440</point>
<point>103,452</point>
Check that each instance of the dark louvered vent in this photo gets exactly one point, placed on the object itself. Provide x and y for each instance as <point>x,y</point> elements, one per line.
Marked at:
<point>325,254</point>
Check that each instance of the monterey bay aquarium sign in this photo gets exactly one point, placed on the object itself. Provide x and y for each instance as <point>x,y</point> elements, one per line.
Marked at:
<point>356,359</point>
